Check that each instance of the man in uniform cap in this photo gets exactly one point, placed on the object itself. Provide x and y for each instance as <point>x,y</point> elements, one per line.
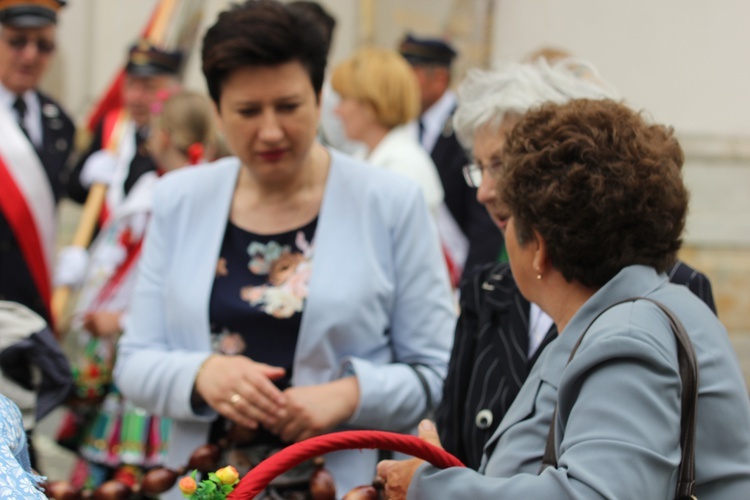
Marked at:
<point>117,156</point>
<point>150,71</point>
<point>468,233</point>
<point>37,137</point>
<point>36,140</point>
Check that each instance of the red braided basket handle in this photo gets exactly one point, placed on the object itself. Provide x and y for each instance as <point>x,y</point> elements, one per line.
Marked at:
<point>258,478</point>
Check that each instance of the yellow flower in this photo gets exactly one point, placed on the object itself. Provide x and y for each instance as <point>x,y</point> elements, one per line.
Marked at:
<point>187,486</point>
<point>228,475</point>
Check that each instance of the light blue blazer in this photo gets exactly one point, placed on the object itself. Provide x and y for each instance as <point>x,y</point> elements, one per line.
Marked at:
<point>618,423</point>
<point>379,300</point>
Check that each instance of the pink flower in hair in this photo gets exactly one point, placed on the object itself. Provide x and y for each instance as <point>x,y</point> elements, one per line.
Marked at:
<point>161,97</point>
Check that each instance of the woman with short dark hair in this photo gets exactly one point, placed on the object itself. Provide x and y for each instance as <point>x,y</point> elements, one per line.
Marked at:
<point>596,208</point>
<point>262,35</point>
<point>291,290</point>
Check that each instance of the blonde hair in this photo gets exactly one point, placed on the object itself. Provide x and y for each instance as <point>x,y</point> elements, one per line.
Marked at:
<point>383,79</point>
<point>188,118</point>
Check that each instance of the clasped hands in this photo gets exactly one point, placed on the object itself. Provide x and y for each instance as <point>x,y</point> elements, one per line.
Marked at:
<point>242,390</point>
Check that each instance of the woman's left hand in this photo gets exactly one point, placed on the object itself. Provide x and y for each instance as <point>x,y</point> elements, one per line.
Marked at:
<point>316,409</point>
<point>397,474</point>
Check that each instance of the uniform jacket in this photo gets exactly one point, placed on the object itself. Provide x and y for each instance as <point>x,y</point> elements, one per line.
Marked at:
<point>58,130</point>
<point>618,422</point>
<point>485,239</point>
<point>489,362</point>
<point>379,301</point>
<point>139,165</point>
<point>57,142</point>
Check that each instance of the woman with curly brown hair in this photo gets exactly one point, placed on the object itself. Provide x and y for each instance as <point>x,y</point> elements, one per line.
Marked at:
<point>597,207</point>
<point>499,334</point>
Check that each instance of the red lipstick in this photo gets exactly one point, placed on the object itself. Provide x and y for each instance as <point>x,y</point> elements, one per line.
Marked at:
<point>272,154</point>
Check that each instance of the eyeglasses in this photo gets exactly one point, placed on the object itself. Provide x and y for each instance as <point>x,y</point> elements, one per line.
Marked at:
<point>43,46</point>
<point>473,172</point>
<point>473,175</point>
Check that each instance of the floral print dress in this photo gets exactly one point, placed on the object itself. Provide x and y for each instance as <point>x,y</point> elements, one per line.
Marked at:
<point>256,308</point>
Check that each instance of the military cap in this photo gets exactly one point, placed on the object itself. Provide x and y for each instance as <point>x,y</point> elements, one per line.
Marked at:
<point>29,13</point>
<point>146,59</point>
<point>426,51</point>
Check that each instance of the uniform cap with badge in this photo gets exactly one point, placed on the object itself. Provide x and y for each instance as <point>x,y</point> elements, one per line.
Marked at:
<point>427,51</point>
<point>29,13</point>
<point>147,59</point>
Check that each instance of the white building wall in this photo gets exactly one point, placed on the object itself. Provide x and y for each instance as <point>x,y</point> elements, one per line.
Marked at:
<point>686,61</point>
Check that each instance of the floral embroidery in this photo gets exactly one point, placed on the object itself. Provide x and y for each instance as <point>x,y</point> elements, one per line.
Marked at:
<point>16,478</point>
<point>288,276</point>
<point>261,256</point>
<point>283,268</point>
<point>221,267</point>
<point>229,343</point>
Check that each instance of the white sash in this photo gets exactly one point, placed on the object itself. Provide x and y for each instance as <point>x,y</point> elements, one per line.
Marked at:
<point>31,179</point>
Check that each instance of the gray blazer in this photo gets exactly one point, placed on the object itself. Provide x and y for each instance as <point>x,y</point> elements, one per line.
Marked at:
<point>618,423</point>
<point>379,300</point>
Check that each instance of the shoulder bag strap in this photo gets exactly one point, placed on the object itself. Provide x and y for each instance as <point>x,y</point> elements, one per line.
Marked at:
<point>688,367</point>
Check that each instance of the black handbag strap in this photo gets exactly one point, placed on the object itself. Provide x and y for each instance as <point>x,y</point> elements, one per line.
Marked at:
<point>689,376</point>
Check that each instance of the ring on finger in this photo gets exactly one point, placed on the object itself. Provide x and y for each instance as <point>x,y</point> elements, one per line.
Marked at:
<point>236,398</point>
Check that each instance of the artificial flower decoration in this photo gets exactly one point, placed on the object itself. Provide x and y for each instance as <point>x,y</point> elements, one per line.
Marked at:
<point>228,475</point>
<point>217,487</point>
<point>188,485</point>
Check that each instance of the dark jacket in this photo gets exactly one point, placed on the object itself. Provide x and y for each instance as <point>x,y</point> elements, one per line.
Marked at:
<point>485,239</point>
<point>139,165</point>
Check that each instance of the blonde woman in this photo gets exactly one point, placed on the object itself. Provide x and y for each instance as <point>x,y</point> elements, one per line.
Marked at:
<point>379,95</point>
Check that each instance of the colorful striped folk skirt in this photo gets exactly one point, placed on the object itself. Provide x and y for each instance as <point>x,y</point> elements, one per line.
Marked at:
<point>122,433</point>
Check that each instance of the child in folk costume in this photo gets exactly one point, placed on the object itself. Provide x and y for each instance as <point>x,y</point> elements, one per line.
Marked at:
<point>119,439</point>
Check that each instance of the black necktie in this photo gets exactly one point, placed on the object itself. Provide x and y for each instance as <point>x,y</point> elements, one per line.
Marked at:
<point>421,129</point>
<point>20,106</point>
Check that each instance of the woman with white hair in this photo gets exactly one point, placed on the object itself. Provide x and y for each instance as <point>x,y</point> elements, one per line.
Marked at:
<point>500,334</point>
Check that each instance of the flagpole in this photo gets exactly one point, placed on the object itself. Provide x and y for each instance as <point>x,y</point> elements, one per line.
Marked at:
<point>92,210</point>
<point>155,31</point>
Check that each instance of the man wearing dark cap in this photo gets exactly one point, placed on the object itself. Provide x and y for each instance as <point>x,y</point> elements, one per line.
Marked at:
<point>467,231</point>
<point>117,155</point>
<point>36,137</point>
